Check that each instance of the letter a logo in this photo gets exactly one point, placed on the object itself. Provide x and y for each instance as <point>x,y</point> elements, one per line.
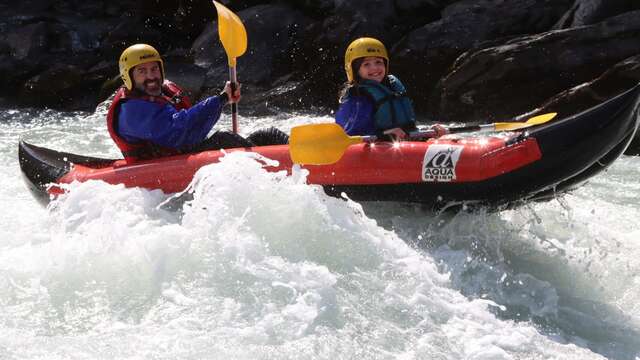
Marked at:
<point>439,164</point>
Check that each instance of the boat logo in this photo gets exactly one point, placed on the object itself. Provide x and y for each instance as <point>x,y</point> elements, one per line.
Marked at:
<point>439,163</point>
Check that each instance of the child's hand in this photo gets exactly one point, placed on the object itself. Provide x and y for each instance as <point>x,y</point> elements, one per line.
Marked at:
<point>439,130</point>
<point>396,133</point>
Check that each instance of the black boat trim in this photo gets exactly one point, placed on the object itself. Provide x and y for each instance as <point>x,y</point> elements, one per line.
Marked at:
<point>42,167</point>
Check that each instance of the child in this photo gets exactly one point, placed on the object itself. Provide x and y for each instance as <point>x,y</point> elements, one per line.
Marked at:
<point>373,102</point>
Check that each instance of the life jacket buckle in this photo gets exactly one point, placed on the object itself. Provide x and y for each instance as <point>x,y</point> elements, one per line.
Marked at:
<point>176,99</point>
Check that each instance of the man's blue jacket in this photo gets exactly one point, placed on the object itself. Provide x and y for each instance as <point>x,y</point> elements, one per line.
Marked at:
<point>162,124</point>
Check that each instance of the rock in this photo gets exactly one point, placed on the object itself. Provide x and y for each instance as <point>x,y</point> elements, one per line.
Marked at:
<point>29,6</point>
<point>418,5</point>
<point>119,38</point>
<point>13,74</point>
<point>24,49</point>
<point>621,77</point>
<point>587,12</point>
<point>481,54</point>
<point>426,54</point>
<point>317,6</point>
<point>497,83</point>
<point>190,77</point>
<point>27,42</point>
<point>55,86</point>
<point>271,52</point>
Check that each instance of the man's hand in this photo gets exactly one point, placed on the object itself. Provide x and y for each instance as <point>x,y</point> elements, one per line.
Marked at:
<point>233,96</point>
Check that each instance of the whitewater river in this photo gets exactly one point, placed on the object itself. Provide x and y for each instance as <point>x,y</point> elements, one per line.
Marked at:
<point>262,266</point>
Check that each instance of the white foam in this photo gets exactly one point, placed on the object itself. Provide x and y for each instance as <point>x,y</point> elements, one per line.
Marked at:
<point>261,265</point>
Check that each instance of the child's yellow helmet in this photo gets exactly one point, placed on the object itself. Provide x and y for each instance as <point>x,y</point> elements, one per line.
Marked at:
<point>363,47</point>
<point>135,55</point>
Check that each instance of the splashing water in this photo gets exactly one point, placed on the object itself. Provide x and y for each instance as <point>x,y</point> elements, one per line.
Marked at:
<point>253,264</point>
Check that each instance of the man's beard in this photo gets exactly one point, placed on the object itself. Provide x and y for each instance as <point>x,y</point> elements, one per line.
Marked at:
<point>151,87</point>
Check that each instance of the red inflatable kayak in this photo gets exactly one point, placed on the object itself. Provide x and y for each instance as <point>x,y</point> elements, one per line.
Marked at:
<point>495,170</point>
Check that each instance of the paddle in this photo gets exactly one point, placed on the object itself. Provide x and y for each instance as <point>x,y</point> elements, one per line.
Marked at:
<point>233,37</point>
<point>321,144</point>
<point>499,126</point>
<point>505,126</point>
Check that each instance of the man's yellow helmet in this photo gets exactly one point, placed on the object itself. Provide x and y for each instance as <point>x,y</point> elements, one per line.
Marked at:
<point>361,48</point>
<point>135,55</point>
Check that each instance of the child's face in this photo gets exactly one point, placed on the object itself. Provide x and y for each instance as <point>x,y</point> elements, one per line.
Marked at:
<point>372,68</point>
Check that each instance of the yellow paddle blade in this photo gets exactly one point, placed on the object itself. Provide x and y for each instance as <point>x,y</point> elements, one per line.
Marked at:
<point>536,120</point>
<point>319,144</point>
<point>233,35</point>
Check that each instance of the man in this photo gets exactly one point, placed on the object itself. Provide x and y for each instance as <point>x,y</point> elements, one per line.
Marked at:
<point>151,117</point>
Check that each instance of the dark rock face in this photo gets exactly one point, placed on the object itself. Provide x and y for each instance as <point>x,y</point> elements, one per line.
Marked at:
<point>52,53</point>
<point>587,12</point>
<point>534,66</point>
<point>427,54</point>
<point>271,50</point>
<point>461,60</point>
<point>58,84</point>
<point>621,76</point>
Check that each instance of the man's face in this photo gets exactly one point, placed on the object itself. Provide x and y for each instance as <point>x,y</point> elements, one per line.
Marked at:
<point>147,77</point>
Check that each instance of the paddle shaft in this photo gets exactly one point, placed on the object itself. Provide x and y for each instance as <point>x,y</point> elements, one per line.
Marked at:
<point>425,134</point>
<point>480,128</point>
<point>233,76</point>
<point>233,37</point>
<point>421,134</point>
